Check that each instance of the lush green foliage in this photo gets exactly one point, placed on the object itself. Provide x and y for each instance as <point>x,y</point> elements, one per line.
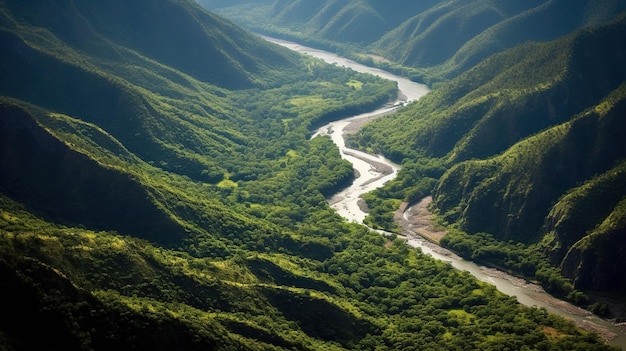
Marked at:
<point>409,34</point>
<point>328,20</point>
<point>536,173</point>
<point>519,132</point>
<point>151,199</point>
<point>100,290</point>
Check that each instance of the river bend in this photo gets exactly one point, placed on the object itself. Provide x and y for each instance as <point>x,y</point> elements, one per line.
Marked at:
<point>374,171</point>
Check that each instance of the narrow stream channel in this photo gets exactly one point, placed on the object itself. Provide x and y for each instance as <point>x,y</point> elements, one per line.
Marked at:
<point>376,170</point>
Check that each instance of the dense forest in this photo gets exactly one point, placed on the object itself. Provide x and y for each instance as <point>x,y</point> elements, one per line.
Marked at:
<point>509,150</point>
<point>159,190</point>
<point>521,141</point>
<point>430,41</point>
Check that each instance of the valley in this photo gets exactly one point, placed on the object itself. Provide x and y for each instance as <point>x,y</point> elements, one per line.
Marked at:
<point>163,184</point>
<point>375,170</point>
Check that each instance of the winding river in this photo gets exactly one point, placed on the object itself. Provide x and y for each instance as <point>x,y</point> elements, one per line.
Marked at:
<point>374,171</point>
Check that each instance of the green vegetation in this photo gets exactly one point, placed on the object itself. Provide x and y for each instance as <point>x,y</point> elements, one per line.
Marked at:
<point>409,34</point>
<point>159,190</point>
<point>96,290</point>
<point>528,147</point>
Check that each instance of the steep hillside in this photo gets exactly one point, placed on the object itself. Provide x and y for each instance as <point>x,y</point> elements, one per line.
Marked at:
<point>546,20</point>
<point>532,175</point>
<point>69,65</point>
<point>159,190</point>
<point>556,161</point>
<point>518,132</point>
<point>595,257</point>
<point>153,29</point>
<point>76,187</point>
<point>357,22</point>
<point>508,97</point>
<point>561,192</point>
<point>476,30</point>
<point>417,41</point>
<point>430,41</point>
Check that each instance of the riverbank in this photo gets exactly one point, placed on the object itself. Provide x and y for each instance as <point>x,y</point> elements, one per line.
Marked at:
<point>416,220</point>
<point>349,204</point>
<point>355,124</point>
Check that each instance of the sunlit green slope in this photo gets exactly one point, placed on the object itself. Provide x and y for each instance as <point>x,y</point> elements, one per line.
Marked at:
<point>454,36</point>
<point>432,40</point>
<point>332,21</point>
<point>158,190</point>
<point>520,131</point>
<point>563,183</point>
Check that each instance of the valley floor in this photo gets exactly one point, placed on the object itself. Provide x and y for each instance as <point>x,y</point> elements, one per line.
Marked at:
<point>417,219</point>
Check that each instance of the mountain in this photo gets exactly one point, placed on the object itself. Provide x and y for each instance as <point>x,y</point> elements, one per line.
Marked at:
<point>432,40</point>
<point>159,190</point>
<point>520,142</point>
<point>150,29</point>
<point>475,30</point>
<point>360,22</point>
<point>96,114</point>
<point>68,49</point>
<point>520,134</point>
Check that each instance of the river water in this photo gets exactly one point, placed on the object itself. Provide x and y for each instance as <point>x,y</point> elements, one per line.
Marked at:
<point>374,171</point>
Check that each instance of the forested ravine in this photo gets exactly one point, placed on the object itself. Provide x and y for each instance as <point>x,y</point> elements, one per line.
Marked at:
<point>375,170</point>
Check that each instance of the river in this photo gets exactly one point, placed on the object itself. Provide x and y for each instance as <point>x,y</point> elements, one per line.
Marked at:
<point>374,171</point>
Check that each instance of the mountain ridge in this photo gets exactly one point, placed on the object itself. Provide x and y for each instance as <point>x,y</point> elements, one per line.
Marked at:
<point>498,109</point>
<point>149,201</point>
<point>82,27</point>
<point>410,34</point>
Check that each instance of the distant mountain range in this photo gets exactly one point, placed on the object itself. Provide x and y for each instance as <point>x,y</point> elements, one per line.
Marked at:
<point>159,188</point>
<point>444,38</point>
